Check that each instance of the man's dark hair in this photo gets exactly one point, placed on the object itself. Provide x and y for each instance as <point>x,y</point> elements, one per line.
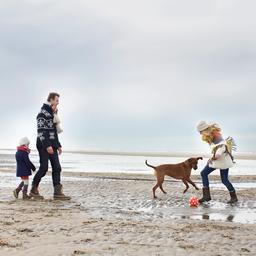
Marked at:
<point>52,96</point>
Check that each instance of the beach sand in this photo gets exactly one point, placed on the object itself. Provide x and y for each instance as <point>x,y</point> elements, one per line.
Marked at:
<point>109,216</point>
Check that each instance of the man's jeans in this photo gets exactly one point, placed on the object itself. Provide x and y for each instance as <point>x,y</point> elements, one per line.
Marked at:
<point>223,174</point>
<point>44,162</point>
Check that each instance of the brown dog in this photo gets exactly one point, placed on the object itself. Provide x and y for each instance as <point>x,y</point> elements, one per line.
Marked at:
<point>181,171</point>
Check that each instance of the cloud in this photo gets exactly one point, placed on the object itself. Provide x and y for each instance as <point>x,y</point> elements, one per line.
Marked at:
<point>130,73</point>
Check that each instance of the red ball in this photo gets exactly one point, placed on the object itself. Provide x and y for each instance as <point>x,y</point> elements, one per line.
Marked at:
<point>193,201</point>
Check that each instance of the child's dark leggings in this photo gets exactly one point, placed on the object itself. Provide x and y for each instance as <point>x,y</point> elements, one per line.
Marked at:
<point>223,174</point>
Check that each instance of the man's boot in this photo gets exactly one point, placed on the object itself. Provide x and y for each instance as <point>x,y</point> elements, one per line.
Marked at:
<point>58,193</point>
<point>233,197</point>
<point>25,195</point>
<point>18,189</point>
<point>206,196</point>
<point>35,193</point>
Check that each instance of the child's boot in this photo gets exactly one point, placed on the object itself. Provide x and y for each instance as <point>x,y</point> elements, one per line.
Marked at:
<point>18,189</point>
<point>25,195</point>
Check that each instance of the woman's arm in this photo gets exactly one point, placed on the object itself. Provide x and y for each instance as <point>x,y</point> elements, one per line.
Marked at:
<point>220,150</point>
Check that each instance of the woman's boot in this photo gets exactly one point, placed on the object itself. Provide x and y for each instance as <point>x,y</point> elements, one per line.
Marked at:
<point>233,197</point>
<point>206,196</point>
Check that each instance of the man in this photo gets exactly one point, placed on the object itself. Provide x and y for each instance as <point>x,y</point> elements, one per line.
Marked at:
<point>49,148</point>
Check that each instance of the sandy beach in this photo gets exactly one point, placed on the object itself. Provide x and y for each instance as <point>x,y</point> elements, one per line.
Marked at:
<point>112,214</point>
<point>97,97</point>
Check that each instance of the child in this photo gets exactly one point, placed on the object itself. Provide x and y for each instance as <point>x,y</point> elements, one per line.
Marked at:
<point>56,120</point>
<point>24,167</point>
<point>221,159</point>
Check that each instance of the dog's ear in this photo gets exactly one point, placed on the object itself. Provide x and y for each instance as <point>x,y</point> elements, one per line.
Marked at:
<point>200,158</point>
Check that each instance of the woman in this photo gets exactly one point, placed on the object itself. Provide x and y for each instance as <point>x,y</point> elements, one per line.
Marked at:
<point>221,159</point>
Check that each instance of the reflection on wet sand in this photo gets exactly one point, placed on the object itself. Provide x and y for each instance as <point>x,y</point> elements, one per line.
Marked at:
<point>229,218</point>
<point>205,217</point>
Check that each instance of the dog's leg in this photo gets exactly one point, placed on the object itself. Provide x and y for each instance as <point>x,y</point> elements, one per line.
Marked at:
<point>161,187</point>
<point>192,183</point>
<point>154,189</point>
<point>187,186</point>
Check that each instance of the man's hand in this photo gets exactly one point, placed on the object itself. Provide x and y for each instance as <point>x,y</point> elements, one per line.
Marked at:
<point>60,151</point>
<point>50,150</point>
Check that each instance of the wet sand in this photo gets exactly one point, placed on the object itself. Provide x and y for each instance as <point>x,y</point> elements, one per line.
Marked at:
<point>116,215</point>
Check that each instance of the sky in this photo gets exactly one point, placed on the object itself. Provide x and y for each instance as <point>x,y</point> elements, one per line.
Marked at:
<point>132,75</point>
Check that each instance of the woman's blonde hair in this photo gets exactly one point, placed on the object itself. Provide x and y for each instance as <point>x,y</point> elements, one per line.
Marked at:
<point>211,132</point>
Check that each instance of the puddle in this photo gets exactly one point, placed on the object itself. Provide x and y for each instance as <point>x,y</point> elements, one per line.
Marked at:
<point>214,211</point>
<point>243,217</point>
<point>174,207</point>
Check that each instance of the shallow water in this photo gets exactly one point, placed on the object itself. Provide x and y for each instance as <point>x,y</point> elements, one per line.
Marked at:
<point>74,162</point>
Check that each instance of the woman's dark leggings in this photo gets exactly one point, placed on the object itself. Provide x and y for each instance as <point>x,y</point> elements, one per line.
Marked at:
<point>223,174</point>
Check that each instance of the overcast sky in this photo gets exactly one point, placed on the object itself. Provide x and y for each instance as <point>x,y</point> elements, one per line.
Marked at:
<point>133,75</point>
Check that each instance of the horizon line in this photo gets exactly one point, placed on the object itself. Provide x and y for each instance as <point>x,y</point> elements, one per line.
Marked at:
<point>240,155</point>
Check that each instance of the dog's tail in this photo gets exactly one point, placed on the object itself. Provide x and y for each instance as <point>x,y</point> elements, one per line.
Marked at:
<point>146,162</point>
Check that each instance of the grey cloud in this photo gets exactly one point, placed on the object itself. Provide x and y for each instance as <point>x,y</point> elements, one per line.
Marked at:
<point>129,69</point>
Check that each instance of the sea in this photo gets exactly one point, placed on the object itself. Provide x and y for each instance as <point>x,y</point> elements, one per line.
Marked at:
<point>120,162</point>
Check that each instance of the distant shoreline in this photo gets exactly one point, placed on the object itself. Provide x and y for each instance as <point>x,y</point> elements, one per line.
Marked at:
<point>241,155</point>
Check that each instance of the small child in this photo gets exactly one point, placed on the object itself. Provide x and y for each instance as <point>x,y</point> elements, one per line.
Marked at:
<point>24,167</point>
<point>56,120</point>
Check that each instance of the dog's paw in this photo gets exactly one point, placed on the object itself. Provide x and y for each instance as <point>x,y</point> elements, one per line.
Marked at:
<point>197,188</point>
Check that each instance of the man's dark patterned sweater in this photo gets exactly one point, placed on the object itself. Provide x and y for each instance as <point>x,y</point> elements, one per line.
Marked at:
<point>46,130</point>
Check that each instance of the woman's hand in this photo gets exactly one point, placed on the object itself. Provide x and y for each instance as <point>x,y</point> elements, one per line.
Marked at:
<point>214,158</point>
<point>209,161</point>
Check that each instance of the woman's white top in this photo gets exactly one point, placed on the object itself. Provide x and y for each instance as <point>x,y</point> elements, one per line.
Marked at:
<point>224,161</point>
